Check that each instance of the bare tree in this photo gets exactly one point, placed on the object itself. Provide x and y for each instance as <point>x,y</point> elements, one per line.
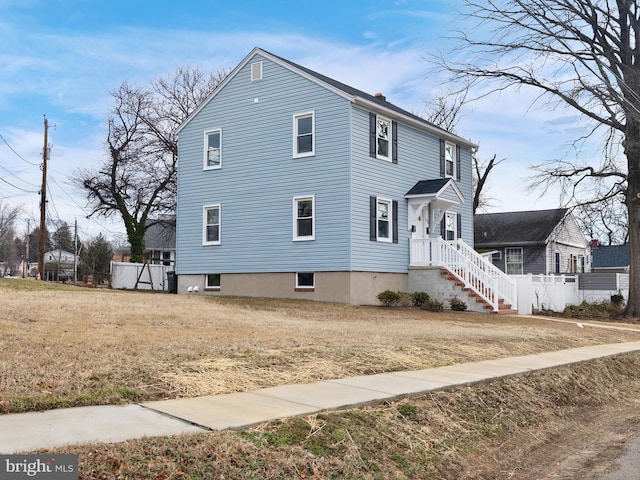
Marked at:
<point>8,216</point>
<point>137,180</point>
<point>444,112</point>
<point>577,53</point>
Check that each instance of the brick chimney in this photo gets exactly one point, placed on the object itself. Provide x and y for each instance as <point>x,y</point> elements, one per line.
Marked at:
<point>380,96</point>
<point>595,243</point>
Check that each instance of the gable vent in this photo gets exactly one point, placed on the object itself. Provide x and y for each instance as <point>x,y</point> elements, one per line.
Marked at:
<point>256,71</point>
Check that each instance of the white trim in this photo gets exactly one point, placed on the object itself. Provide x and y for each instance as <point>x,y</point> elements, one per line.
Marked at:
<point>256,71</point>
<point>297,116</point>
<point>297,238</point>
<point>389,156</point>
<point>454,217</point>
<point>212,287</point>
<point>389,202</point>
<point>205,208</point>
<point>206,165</point>
<point>506,260</point>
<point>453,160</point>
<point>306,287</point>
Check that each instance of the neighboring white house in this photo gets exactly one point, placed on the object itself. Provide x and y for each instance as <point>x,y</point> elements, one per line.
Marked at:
<point>537,242</point>
<point>59,265</point>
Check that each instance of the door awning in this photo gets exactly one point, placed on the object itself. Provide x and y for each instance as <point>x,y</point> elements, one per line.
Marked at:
<point>443,189</point>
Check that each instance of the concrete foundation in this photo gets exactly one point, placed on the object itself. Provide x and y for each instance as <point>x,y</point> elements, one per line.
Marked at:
<point>430,280</point>
<point>357,288</point>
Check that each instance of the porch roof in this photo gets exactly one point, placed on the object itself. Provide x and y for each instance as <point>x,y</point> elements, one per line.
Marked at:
<point>434,189</point>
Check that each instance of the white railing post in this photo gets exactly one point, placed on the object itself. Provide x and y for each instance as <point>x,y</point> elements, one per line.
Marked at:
<point>476,272</point>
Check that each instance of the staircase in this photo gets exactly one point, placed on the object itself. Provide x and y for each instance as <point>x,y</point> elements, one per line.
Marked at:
<point>503,307</point>
<point>470,271</point>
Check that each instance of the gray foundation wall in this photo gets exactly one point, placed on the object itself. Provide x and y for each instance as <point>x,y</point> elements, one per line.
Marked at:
<point>429,279</point>
<point>357,288</point>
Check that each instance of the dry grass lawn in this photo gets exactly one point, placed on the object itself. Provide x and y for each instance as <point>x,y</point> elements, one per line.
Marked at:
<point>66,346</point>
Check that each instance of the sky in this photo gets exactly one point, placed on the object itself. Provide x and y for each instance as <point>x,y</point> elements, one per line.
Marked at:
<point>63,58</point>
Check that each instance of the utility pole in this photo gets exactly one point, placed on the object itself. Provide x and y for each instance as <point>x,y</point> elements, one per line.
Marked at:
<point>75,252</point>
<point>25,264</point>
<point>43,200</point>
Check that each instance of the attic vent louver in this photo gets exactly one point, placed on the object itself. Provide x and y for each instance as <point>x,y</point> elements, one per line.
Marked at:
<point>256,71</point>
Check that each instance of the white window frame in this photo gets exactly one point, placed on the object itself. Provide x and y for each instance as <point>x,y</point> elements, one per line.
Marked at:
<point>305,287</point>
<point>205,209</point>
<point>450,159</point>
<point>296,117</point>
<point>450,217</point>
<point>507,263</point>
<point>389,219</point>
<point>389,139</point>
<point>296,237</point>
<point>212,287</point>
<point>206,149</point>
<point>256,71</point>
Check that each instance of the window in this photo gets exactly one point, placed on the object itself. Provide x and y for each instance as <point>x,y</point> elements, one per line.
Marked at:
<point>384,217</point>
<point>449,160</point>
<point>212,281</point>
<point>383,138</point>
<point>514,261</point>
<point>303,218</point>
<point>450,224</point>
<point>383,220</point>
<point>305,281</point>
<point>211,231</point>
<point>304,135</point>
<point>213,149</point>
<point>256,71</point>
<point>383,130</point>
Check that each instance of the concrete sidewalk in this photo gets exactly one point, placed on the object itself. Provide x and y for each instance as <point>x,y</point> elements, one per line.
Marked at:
<point>30,431</point>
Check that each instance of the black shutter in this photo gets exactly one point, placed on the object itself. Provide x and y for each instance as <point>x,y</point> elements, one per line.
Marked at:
<point>372,135</point>
<point>394,144</point>
<point>443,227</point>
<point>395,221</point>
<point>458,162</point>
<point>373,219</point>
<point>442,166</point>
<point>459,226</point>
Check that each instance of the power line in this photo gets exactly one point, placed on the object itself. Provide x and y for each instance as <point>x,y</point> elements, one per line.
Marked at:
<point>17,154</point>
<point>15,186</point>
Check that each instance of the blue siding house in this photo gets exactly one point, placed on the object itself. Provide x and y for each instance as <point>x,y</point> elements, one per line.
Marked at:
<point>292,184</point>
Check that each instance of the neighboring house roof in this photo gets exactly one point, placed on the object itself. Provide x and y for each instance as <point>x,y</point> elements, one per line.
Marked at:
<point>354,95</point>
<point>516,228</point>
<point>612,256</point>
<point>161,235</point>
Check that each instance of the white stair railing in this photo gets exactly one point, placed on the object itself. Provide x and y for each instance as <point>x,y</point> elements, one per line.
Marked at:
<point>479,275</point>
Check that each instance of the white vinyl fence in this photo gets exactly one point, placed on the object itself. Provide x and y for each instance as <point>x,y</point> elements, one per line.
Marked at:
<point>555,292</point>
<point>139,276</point>
<point>548,292</point>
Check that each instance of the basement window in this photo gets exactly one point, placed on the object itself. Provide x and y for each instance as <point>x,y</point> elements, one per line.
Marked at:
<point>305,281</point>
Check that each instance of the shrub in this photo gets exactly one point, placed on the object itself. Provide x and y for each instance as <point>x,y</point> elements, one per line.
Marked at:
<point>389,298</point>
<point>457,304</point>
<point>418,299</point>
<point>595,309</point>
<point>433,306</point>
